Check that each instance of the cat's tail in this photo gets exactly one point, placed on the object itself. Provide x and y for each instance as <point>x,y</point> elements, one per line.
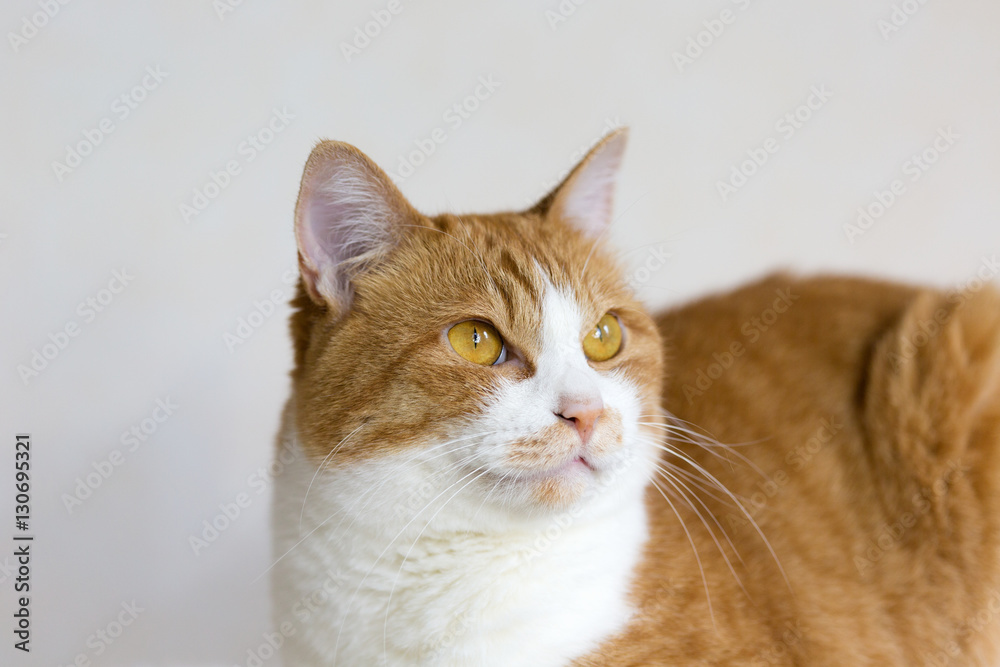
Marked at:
<point>931,412</point>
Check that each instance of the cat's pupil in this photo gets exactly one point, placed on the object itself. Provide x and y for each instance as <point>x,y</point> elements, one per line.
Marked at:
<point>475,337</point>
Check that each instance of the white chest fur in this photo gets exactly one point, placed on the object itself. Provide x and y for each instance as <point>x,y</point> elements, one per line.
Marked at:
<point>532,595</point>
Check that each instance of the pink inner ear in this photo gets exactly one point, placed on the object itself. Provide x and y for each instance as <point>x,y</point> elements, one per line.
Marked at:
<point>343,220</point>
<point>587,201</point>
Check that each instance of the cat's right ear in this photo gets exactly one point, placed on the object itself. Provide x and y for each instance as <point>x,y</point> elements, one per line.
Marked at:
<point>584,200</point>
<point>347,217</point>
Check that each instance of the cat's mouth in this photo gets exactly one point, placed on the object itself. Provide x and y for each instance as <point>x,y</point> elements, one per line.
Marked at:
<point>556,484</point>
<point>551,454</point>
<point>553,483</point>
<point>578,464</point>
<point>554,467</point>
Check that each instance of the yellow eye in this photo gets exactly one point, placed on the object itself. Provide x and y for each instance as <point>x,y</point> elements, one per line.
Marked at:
<point>477,341</point>
<point>604,340</point>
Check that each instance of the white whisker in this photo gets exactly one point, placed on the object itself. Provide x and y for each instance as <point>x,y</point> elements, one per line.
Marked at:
<point>378,559</point>
<point>320,467</point>
<point>385,622</point>
<point>694,548</point>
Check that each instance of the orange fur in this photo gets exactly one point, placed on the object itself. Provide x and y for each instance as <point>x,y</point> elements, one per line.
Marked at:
<point>403,383</point>
<point>863,523</point>
<point>879,448</point>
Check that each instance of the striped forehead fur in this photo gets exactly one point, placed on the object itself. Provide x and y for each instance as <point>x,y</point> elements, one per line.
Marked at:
<point>383,367</point>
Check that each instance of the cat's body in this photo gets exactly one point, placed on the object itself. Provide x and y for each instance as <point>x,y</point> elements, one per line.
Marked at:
<point>878,445</point>
<point>541,509</point>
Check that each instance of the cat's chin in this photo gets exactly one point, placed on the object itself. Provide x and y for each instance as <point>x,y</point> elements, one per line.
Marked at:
<point>575,466</point>
<point>556,487</point>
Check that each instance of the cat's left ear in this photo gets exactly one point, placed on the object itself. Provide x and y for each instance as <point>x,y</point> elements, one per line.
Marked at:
<point>349,215</point>
<point>585,198</point>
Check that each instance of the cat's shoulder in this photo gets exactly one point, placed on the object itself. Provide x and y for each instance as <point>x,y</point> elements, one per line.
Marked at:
<point>786,296</point>
<point>839,317</point>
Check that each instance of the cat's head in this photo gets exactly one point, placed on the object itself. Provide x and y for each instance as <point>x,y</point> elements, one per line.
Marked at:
<point>502,356</point>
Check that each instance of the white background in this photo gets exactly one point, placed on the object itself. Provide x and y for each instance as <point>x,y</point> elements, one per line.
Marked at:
<point>560,83</point>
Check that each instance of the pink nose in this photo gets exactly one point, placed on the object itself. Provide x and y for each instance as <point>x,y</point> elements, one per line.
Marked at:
<point>583,413</point>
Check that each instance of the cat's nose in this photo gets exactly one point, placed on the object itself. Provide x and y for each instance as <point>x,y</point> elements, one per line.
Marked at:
<point>582,413</point>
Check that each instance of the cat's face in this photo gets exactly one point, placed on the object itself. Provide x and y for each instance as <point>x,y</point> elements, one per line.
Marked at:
<point>501,356</point>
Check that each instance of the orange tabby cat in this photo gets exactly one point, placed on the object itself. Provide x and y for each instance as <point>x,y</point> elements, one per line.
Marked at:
<point>494,456</point>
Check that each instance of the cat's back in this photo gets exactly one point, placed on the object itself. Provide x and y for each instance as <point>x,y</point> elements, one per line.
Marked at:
<point>868,419</point>
<point>779,334</point>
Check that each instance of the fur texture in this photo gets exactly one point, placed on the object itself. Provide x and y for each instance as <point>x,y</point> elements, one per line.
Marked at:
<point>437,512</point>
<point>871,415</point>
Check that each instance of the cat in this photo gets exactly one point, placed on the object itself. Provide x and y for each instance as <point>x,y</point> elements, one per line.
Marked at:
<point>494,455</point>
